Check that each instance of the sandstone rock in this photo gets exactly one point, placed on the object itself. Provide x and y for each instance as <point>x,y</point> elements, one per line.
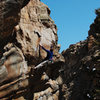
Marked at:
<point>30,28</point>
<point>24,25</point>
<point>9,15</point>
<point>3,73</point>
<point>74,76</point>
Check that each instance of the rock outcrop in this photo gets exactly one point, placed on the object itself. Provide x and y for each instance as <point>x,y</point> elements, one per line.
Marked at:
<point>81,71</point>
<point>74,74</point>
<point>9,15</point>
<point>24,25</point>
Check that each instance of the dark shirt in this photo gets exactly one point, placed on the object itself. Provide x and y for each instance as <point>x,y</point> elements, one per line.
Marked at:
<point>49,54</point>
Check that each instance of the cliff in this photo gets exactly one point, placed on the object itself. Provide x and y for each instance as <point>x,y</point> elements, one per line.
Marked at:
<point>74,74</point>
<point>81,71</point>
<point>24,25</point>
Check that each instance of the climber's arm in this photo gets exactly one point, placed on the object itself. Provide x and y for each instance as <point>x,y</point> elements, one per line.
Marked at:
<point>44,49</point>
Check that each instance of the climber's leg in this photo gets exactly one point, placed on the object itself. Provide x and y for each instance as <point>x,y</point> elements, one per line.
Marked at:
<point>41,64</point>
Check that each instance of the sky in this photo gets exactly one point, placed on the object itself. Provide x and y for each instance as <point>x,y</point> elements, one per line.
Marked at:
<point>73,19</point>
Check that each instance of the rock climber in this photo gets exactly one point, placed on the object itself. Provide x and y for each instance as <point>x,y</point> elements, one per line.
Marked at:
<point>49,53</point>
<point>48,57</point>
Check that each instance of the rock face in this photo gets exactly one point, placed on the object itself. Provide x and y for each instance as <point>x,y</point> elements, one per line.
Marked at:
<point>81,71</point>
<point>9,15</point>
<point>24,24</point>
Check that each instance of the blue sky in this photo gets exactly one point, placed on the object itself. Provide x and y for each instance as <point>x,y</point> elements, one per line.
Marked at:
<point>73,18</point>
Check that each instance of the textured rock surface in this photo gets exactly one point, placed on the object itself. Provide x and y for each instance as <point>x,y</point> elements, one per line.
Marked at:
<point>24,25</point>
<point>9,15</point>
